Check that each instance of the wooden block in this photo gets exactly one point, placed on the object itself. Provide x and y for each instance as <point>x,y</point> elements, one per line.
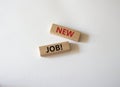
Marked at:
<point>65,32</point>
<point>54,48</point>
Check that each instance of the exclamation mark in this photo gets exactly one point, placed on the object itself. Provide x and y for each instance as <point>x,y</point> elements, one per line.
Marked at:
<point>61,46</point>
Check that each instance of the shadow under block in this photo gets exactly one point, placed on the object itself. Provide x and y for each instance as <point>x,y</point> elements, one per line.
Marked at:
<point>54,48</point>
<point>65,32</point>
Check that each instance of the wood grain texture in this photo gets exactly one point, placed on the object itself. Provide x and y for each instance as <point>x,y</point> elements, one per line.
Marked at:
<point>54,48</point>
<point>65,32</point>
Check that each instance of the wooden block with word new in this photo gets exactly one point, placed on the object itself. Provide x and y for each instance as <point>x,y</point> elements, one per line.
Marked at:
<point>65,32</point>
<point>54,48</point>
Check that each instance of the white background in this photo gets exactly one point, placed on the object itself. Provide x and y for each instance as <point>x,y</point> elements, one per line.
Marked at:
<point>93,62</point>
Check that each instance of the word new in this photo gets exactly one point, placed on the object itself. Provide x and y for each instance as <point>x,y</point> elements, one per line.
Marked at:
<point>64,31</point>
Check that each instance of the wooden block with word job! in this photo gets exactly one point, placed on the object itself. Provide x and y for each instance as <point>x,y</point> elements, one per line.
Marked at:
<point>54,48</point>
<point>65,32</point>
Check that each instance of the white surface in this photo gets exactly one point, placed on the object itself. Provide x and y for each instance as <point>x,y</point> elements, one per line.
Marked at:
<point>93,62</point>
